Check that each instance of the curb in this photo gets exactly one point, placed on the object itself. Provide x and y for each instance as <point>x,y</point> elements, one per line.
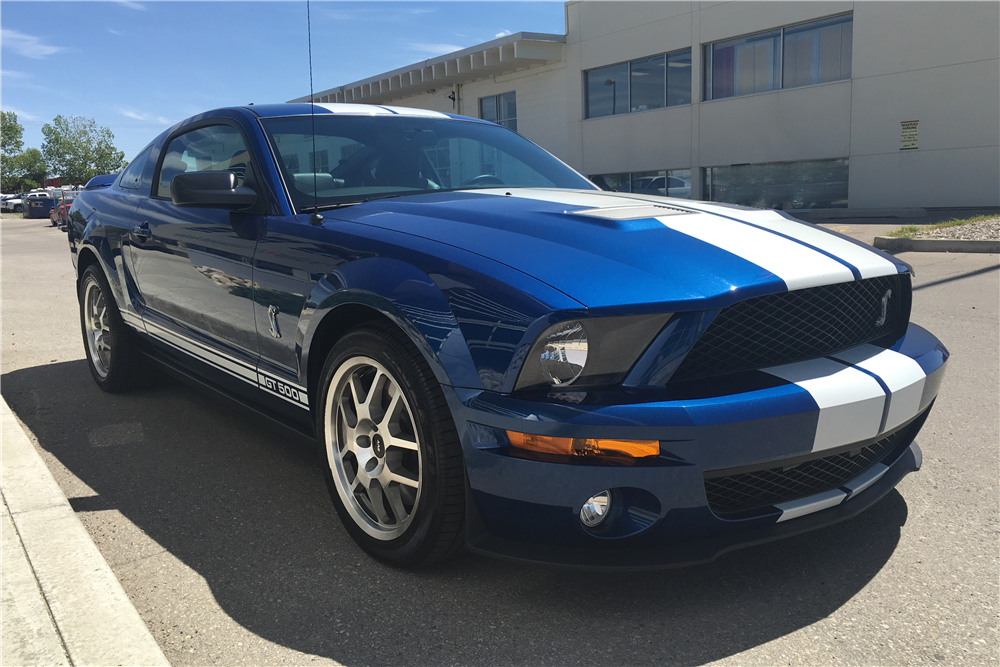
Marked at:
<point>847,213</point>
<point>935,245</point>
<point>61,602</point>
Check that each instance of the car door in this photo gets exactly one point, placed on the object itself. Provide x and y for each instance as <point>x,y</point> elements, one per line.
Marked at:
<point>193,264</point>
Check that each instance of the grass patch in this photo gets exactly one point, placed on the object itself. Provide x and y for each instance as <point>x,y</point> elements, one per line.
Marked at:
<point>908,231</point>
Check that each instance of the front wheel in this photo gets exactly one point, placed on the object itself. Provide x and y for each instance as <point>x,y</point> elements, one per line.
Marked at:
<point>393,460</point>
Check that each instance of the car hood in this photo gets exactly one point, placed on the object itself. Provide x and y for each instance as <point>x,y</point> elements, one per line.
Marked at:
<point>632,253</point>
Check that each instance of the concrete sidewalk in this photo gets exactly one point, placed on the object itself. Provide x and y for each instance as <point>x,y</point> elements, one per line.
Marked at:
<point>60,602</point>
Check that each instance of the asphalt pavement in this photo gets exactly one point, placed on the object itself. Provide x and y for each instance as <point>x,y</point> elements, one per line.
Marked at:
<point>220,531</point>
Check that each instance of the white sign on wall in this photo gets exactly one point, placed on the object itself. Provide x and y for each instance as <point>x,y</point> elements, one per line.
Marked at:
<point>908,135</point>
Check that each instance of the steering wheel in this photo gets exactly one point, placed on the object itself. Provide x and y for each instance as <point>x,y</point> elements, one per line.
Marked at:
<point>483,179</point>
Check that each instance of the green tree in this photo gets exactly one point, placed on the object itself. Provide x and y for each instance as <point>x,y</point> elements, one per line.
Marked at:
<point>11,133</point>
<point>29,169</point>
<point>78,149</point>
<point>10,148</point>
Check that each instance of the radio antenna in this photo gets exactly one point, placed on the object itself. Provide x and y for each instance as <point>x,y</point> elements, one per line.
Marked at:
<point>315,218</point>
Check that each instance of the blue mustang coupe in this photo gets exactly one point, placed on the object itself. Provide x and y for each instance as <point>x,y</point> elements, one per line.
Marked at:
<point>492,353</point>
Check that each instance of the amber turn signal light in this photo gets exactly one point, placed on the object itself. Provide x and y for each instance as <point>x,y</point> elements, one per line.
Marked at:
<point>546,444</point>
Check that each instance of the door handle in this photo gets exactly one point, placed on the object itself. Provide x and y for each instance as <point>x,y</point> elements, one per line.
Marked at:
<point>142,232</point>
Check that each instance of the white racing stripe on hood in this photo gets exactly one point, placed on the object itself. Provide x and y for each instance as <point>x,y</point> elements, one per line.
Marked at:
<point>868,263</point>
<point>599,199</point>
<point>797,265</point>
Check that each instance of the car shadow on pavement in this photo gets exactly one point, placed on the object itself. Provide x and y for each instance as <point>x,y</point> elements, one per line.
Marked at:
<point>245,506</point>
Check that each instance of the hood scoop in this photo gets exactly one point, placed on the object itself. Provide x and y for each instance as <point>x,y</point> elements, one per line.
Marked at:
<point>631,212</point>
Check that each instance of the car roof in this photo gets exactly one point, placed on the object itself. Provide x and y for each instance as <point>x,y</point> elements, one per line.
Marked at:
<point>304,109</point>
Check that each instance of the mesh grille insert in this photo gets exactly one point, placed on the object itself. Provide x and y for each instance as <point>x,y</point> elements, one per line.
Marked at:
<point>804,324</point>
<point>738,494</point>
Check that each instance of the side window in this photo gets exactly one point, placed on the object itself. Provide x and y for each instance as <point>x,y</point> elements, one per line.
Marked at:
<point>132,176</point>
<point>213,148</point>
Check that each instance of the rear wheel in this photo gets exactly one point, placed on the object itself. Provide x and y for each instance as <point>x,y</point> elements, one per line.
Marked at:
<point>393,460</point>
<point>109,343</point>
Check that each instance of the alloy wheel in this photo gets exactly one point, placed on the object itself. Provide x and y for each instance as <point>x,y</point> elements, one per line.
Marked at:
<point>372,447</point>
<point>98,328</point>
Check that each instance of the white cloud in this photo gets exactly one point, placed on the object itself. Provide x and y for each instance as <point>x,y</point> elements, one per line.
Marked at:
<point>433,49</point>
<point>21,115</point>
<point>11,74</point>
<point>504,33</point>
<point>26,45</point>
<point>139,115</point>
<point>132,5</point>
<point>114,32</point>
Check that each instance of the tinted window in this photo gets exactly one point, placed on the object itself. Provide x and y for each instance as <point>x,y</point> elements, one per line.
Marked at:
<point>607,91</point>
<point>214,148</point>
<point>372,157</point>
<point>132,176</point>
<point>648,83</point>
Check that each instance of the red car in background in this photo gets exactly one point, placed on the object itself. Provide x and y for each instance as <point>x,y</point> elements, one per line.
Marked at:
<point>60,211</point>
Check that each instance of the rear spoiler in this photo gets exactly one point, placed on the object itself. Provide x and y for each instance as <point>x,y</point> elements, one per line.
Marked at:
<point>100,181</point>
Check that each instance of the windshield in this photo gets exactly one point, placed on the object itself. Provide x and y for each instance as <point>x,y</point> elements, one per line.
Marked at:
<point>368,157</point>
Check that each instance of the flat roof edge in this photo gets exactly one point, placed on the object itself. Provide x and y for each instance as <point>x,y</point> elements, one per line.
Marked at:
<point>430,62</point>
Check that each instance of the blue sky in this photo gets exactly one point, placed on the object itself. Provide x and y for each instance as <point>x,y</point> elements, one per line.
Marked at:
<point>139,67</point>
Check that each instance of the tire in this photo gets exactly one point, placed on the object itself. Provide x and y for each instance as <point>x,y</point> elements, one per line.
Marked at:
<point>396,476</point>
<point>18,208</point>
<point>110,345</point>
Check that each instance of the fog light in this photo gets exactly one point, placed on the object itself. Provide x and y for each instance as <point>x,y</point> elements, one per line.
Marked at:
<point>595,511</point>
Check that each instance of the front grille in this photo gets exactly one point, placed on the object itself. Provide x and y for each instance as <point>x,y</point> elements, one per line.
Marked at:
<point>730,496</point>
<point>794,326</point>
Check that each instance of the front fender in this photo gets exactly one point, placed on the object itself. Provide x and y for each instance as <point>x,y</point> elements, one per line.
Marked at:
<point>407,296</point>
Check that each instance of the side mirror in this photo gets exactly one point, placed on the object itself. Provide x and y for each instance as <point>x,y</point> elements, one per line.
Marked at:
<point>211,189</point>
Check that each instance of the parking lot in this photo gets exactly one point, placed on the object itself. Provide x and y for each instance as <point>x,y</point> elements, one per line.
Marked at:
<point>219,527</point>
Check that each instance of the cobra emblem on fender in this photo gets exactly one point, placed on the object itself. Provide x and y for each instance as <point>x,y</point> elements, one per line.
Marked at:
<point>272,316</point>
<point>885,308</point>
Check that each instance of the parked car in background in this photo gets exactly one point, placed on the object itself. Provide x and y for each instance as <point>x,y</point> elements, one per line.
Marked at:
<point>13,203</point>
<point>665,186</point>
<point>60,210</point>
<point>492,353</point>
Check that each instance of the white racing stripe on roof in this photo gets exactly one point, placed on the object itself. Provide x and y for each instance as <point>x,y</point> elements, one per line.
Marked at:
<point>797,265</point>
<point>902,375</point>
<point>422,113</point>
<point>850,402</point>
<point>868,263</point>
<point>820,501</point>
<point>378,110</point>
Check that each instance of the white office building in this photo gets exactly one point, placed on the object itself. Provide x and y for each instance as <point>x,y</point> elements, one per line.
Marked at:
<point>792,105</point>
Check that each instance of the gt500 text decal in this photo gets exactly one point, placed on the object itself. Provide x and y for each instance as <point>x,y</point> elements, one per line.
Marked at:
<point>291,393</point>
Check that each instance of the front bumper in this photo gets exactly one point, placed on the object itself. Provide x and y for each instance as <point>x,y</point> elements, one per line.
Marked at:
<point>529,509</point>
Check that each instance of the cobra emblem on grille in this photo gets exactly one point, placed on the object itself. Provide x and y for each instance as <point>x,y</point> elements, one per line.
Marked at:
<point>885,308</point>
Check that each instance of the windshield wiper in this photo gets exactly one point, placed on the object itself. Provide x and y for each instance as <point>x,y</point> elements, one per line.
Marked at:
<point>330,207</point>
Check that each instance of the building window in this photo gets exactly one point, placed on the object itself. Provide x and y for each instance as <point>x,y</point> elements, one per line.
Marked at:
<point>650,83</point>
<point>666,183</point>
<point>780,185</point>
<point>800,55</point>
<point>500,109</point>
<point>320,161</point>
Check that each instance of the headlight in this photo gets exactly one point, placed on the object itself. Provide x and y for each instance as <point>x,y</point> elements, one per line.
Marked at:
<point>564,354</point>
<point>585,353</point>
